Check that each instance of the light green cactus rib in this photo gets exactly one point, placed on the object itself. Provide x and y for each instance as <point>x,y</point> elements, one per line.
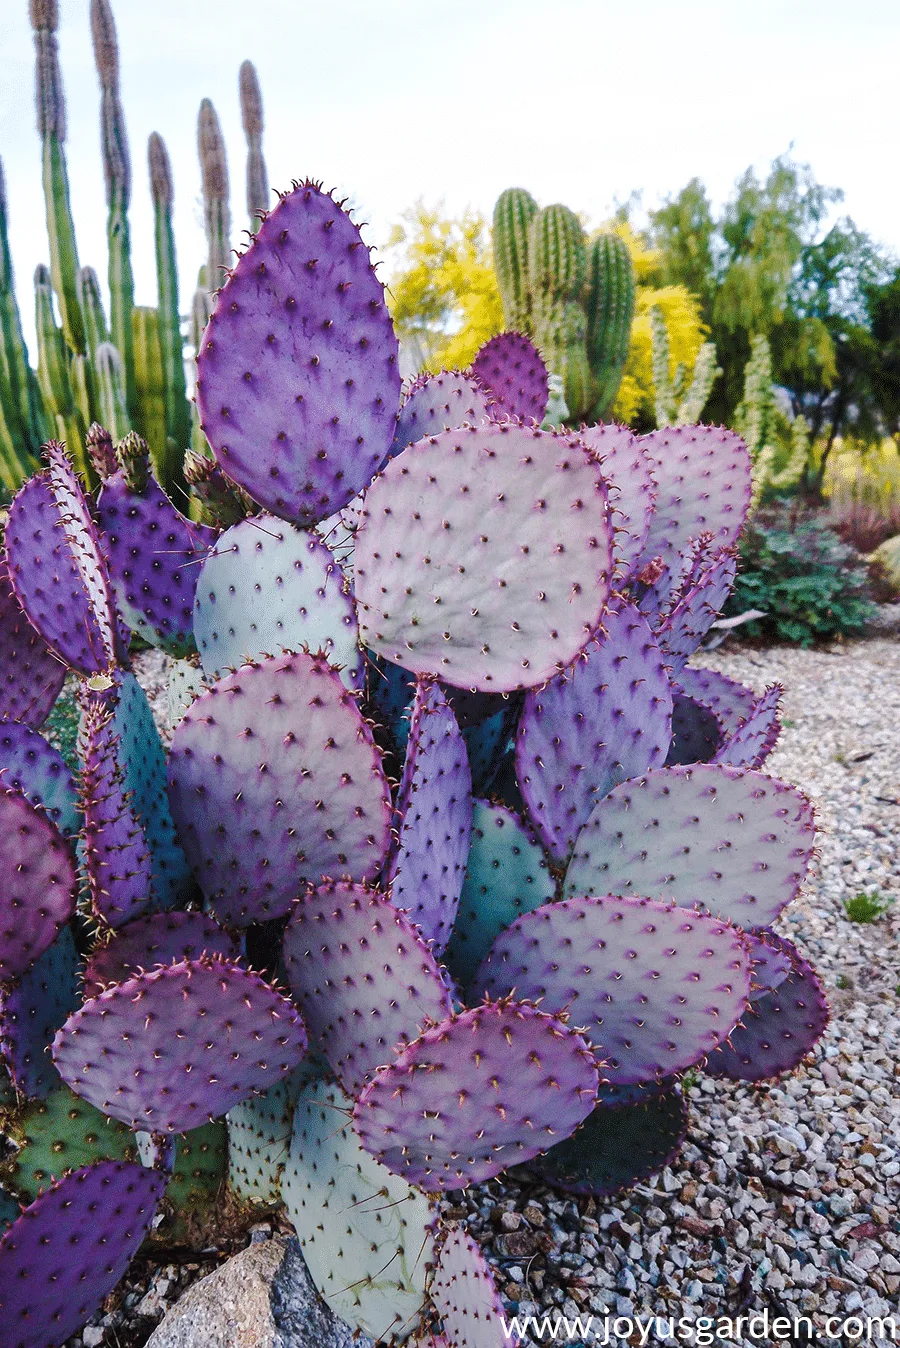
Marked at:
<point>117,175</point>
<point>55,374</point>
<point>557,253</point>
<point>150,379</point>
<point>178,412</point>
<point>111,390</point>
<point>610,311</point>
<point>513,214</point>
<point>20,400</point>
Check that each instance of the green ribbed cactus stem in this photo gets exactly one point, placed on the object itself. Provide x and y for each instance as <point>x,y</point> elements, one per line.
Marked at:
<point>81,377</point>
<point>513,214</point>
<point>19,403</point>
<point>89,297</point>
<point>610,310</point>
<point>11,454</point>
<point>661,364</point>
<point>55,375</point>
<point>252,117</point>
<point>178,410</point>
<point>706,372</point>
<point>148,365</point>
<point>110,377</point>
<point>51,125</point>
<point>117,175</point>
<point>558,264</point>
<point>216,211</point>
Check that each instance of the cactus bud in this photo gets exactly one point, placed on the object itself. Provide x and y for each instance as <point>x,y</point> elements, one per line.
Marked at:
<point>160,170</point>
<point>100,448</point>
<point>134,460</point>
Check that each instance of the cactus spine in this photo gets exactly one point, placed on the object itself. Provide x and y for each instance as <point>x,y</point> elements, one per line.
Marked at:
<point>575,300</point>
<point>677,403</point>
<point>117,175</point>
<point>252,116</point>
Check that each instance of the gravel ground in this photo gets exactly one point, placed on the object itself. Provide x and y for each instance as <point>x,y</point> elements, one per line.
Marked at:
<point>784,1197</point>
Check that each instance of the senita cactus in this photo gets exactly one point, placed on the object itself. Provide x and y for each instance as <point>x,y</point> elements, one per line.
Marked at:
<point>459,973</point>
<point>252,117</point>
<point>216,209</point>
<point>677,402</point>
<point>573,296</point>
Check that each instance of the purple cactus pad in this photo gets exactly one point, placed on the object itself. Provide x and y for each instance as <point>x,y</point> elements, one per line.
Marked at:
<point>433,818</point>
<point>297,379</point>
<point>607,718</point>
<point>731,839</point>
<point>70,1248</point>
<point>32,1010</point>
<point>696,732</point>
<point>465,1295</point>
<point>31,765</point>
<point>778,1030</point>
<point>147,942</point>
<point>510,367</point>
<point>654,986</point>
<point>31,675</point>
<point>365,980</point>
<point>281,741</point>
<point>484,557</point>
<point>166,1051</point>
<point>695,610</point>
<point>40,883</point>
<point>731,701</point>
<point>439,402</point>
<point>756,737</point>
<point>627,471</point>
<point>484,1090</point>
<point>154,561</point>
<point>771,959</point>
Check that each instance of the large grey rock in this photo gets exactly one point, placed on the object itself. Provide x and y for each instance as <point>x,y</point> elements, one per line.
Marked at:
<point>261,1298</point>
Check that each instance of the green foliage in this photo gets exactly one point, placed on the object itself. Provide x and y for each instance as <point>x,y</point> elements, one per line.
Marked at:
<point>810,586</point>
<point>867,907</point>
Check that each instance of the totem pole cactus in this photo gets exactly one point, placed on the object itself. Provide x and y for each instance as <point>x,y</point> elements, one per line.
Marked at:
<point>677,402</point>
<point>779,444</point>
<point>418,847</point>
<point>573,296</point>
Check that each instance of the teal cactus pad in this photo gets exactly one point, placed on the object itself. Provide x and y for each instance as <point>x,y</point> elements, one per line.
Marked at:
<point>433,818</point>
<point>10,1209</point>
<point>439,402</point>
<point>755,738</point>
<point>31,765</point>
<point>605,719</point>
<point>731,839</point>
<point>39,886</point>
<point>367,1235</point>
<point>618,1146</point>
<point>486,743</point>
<point>484,1090</point>
<point>655,987</point>
<point>31,1012</point>
<point>61,1133</point>
<point>465,1295</point>
<point>199,1168</point>
<point>69,1249</point>
<point>365,979</point>
<point>166,1051</point>
<point>269,587</point>
<point>186,681</point>
<point>145,943</point>
<point>282,740</point>
<point>484,557</point>
<point>297,379</point>
<point>626,469</point>
<point>259,1139</point>
<point>506,875</point>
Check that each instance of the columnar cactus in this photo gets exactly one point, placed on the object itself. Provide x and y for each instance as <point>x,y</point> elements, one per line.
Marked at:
<point>574,297</point>
<point>443,984</point>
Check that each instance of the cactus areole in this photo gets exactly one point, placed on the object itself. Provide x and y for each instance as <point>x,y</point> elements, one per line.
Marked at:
<point>452,862</point>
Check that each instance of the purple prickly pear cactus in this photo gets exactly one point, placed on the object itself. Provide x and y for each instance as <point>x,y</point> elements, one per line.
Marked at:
<point>465,1295</point>
<point>696,732</point>
<point>365,979</point>
<point>297,378</point>
<point>69,1249</point>
<point>37,897</point>
<point>695,609</point>
<point>607,718</point>
<point>281,741</point>
<point>154,556</point>
<point>439,589</point>
<point>627,471</point>
<point>510,367</point>
<point>778,1029</point>
<point>770,961</point>
<point>733,840</point>
<point>483,1090</point>
<point>731,701</point>
<point>433,818</point>
<point>656,987</point>
<point>30,764</point>
<point>115,854</point>
<point>57,569</point>
<point>755,738</point>
<point>31,675</point>
<point>440,402</point>
<point>32,1010</point>
<point>166,1051</point>
<point>147,942</point>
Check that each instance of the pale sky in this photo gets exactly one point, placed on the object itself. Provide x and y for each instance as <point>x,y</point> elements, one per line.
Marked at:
<point>581,101</point>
